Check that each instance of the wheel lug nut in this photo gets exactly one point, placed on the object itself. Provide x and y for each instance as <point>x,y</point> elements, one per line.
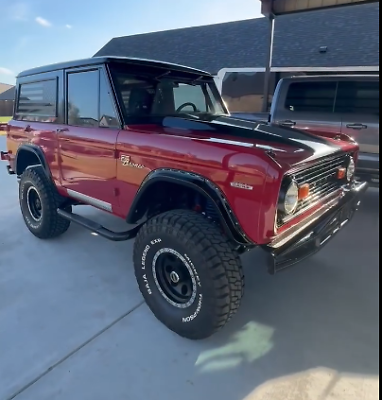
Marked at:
<point>174,277</point>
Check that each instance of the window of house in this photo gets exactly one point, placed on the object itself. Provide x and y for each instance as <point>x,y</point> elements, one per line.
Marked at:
<point>316,97</point>
<point>37,101</point>
<point>244,91</point>
<point>89,101</point>
<point>358,97</point>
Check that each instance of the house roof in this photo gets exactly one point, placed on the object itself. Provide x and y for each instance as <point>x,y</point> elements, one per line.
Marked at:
<point>8,94</point>
<point>283,7</point>
<point>113,59</point>
<point>4,87</point>
<point>350,33</point>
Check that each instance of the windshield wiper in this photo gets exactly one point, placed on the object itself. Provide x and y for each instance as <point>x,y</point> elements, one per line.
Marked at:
<point>202,116</point>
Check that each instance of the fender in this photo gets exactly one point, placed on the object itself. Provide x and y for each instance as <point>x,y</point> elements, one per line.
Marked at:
<point>201,185</point>
<point>38,153</point>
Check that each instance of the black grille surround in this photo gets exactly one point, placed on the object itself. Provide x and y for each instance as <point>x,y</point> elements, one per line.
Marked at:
<point>322,179</point>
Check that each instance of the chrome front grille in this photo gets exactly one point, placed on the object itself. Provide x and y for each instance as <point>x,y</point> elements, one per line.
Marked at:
<point>322,179</point>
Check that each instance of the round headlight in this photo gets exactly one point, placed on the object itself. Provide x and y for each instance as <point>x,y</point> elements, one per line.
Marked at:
<point>291,198</point>
<point>350,170</point>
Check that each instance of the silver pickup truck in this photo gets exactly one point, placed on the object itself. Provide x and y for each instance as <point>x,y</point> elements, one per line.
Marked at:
<point>331,106</point>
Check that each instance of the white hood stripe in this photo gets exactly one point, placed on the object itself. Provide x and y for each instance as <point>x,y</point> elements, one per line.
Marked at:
<point>225,141</point>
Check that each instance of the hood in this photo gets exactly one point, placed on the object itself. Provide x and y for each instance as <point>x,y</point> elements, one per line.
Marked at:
<point>285,145</point>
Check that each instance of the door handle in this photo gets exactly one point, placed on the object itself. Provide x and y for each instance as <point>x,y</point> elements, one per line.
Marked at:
<point>288,123</point>
<point>61,130</point>
<point>357,127</point>
<point>28,129</point>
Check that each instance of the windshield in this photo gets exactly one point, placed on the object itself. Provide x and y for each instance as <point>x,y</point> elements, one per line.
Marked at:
<point>145,97</point>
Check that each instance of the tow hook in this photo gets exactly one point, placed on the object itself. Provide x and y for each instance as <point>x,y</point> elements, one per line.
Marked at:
<point>10,170</point>
<point>4,156</point>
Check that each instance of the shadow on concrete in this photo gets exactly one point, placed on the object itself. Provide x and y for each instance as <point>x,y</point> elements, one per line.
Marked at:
<point>323,313</point>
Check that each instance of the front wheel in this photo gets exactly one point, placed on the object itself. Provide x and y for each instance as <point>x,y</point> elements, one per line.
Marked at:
<point>188,273</point>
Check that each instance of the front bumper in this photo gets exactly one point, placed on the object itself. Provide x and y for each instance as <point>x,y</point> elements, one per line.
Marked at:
<point>325,224</point>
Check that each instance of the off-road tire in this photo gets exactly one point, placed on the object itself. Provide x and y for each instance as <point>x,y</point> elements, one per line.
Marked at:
<point>51,225</point>
<point>215,265</point>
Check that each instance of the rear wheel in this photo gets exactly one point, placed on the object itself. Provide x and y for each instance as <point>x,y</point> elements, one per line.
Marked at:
<point>188,273</point>
<point>39,201</point>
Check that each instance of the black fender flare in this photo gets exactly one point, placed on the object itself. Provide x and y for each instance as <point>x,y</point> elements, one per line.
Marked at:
<point>201,185</point>
<point>38,152</point>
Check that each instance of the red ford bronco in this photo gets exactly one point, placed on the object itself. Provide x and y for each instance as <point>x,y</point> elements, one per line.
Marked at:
<point>153,143</point>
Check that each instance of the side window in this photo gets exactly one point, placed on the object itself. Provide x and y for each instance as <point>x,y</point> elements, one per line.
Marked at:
<point>89,101</point>
<point>358,98</point>
<point>315,97</point>
<point>190,94</point>
<point>83,99</point>
<point>108,117</point>
<point>37,102</point>
<point>136,94</point>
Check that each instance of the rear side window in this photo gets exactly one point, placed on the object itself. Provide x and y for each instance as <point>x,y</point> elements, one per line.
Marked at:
<point>358,97</point>
<point>313,97</point>
<point>37,101</point>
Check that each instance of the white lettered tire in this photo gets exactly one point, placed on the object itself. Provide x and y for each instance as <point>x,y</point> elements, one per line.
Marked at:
<point>188,273</point>
<point>39,201</point>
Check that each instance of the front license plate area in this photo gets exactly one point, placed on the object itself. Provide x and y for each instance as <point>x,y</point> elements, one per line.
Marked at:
<point>313,241</point>
<point>334,226</point>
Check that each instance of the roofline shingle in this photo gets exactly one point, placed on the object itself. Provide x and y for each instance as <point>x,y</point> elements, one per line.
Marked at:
<point>351,34</point>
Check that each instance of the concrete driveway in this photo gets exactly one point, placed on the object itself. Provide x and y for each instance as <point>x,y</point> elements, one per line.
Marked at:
<point>73,325</point>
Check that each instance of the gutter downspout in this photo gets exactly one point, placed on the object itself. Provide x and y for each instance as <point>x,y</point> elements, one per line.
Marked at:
<point>267,76</point>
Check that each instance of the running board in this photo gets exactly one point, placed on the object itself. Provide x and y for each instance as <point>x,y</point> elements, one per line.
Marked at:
<point>98,229</point>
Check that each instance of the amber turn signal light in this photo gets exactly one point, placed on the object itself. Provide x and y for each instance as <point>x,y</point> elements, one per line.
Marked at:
<point>303,192</point>
<point>341,173</point>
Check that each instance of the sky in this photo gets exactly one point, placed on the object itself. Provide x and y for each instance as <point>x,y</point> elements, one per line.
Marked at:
<point>40,32</point>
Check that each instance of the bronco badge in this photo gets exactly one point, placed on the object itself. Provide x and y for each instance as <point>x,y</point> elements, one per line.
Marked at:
<point>126,162</point>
